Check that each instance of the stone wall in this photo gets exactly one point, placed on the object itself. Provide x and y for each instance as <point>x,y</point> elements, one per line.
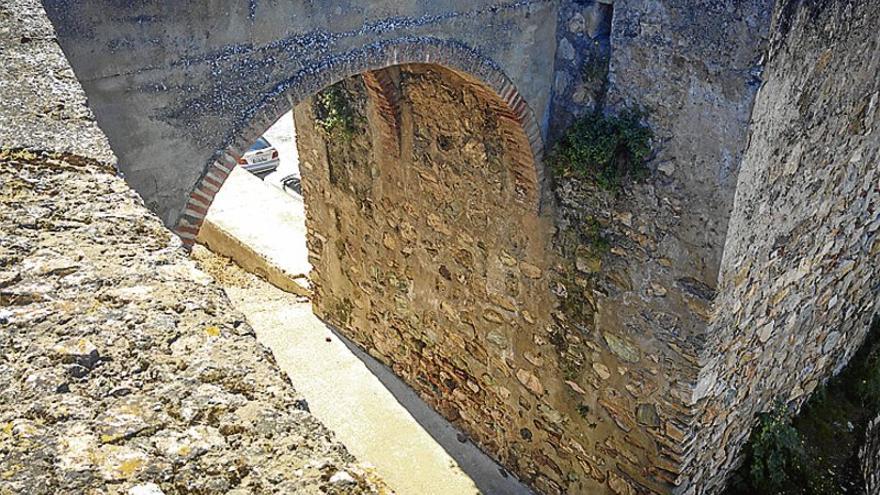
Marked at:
<point>592,340</point>
<point>869,456</point>
<point>425,254</point>
<point>693,68</point>
<point>125,370</point>
<point>536,334</point>
<point>800,278</point>
<point>583,54</point>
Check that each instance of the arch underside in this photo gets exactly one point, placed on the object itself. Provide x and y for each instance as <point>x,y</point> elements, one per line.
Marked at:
<point>481,73</point>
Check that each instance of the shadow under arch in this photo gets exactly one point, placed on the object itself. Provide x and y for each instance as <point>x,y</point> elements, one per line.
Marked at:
<point>464,61</point>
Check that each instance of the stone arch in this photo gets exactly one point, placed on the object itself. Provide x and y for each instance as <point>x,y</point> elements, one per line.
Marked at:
<point>485,75</point>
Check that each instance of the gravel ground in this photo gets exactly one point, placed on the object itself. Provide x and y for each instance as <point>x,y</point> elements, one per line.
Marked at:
<point>123,367</point>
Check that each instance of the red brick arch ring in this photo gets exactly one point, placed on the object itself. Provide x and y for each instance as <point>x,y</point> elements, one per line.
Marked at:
<point>516,118</point>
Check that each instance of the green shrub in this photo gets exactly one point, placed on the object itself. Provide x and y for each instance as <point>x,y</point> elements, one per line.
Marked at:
<point>820,455</point>
<point>604,148</point>
<point>778,457</point>
<point>334,114</point>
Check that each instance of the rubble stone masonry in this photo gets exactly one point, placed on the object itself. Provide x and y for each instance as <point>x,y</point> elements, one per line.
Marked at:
<point>124,368</point>
<point>800,280</point>
<point>434,259</point>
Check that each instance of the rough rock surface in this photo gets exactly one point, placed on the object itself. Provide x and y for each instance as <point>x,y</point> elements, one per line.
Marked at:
<point>123,368</point>
<point>427,253</point>
<point>122,363</point>
<point>415,226</point>
<point>869,457</point>
<point>43,106</point>
<point>800,282</point>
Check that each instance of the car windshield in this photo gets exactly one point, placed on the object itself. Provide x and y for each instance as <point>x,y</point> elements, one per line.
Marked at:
<point>261,144</point>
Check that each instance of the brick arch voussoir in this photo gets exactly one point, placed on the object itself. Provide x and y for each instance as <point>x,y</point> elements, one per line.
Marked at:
<point>518,122</point>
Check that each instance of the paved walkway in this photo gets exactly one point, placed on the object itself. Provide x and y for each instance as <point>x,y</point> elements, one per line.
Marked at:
<point>265,219</point>
<point>373,413</point>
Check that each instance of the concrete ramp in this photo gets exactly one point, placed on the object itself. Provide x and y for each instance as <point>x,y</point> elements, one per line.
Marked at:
<point>262,229</point>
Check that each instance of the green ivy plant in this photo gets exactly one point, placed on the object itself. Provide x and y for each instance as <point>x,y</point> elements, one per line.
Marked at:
<point>334,114</point>
<point>604,148</point>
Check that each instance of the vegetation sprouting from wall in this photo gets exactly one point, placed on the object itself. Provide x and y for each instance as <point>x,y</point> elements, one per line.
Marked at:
<point>604,148</point>
<point>816,452</point>
<point>335,116</point>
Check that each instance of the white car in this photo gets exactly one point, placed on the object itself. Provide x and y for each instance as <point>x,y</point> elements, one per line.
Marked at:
<point>261,159</point>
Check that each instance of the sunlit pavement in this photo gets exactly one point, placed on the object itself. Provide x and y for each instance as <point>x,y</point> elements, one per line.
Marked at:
<point>375,415</point>
<point>261,228</point>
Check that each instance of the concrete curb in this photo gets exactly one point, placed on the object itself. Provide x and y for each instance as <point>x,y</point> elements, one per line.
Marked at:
<point>222,242</point>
